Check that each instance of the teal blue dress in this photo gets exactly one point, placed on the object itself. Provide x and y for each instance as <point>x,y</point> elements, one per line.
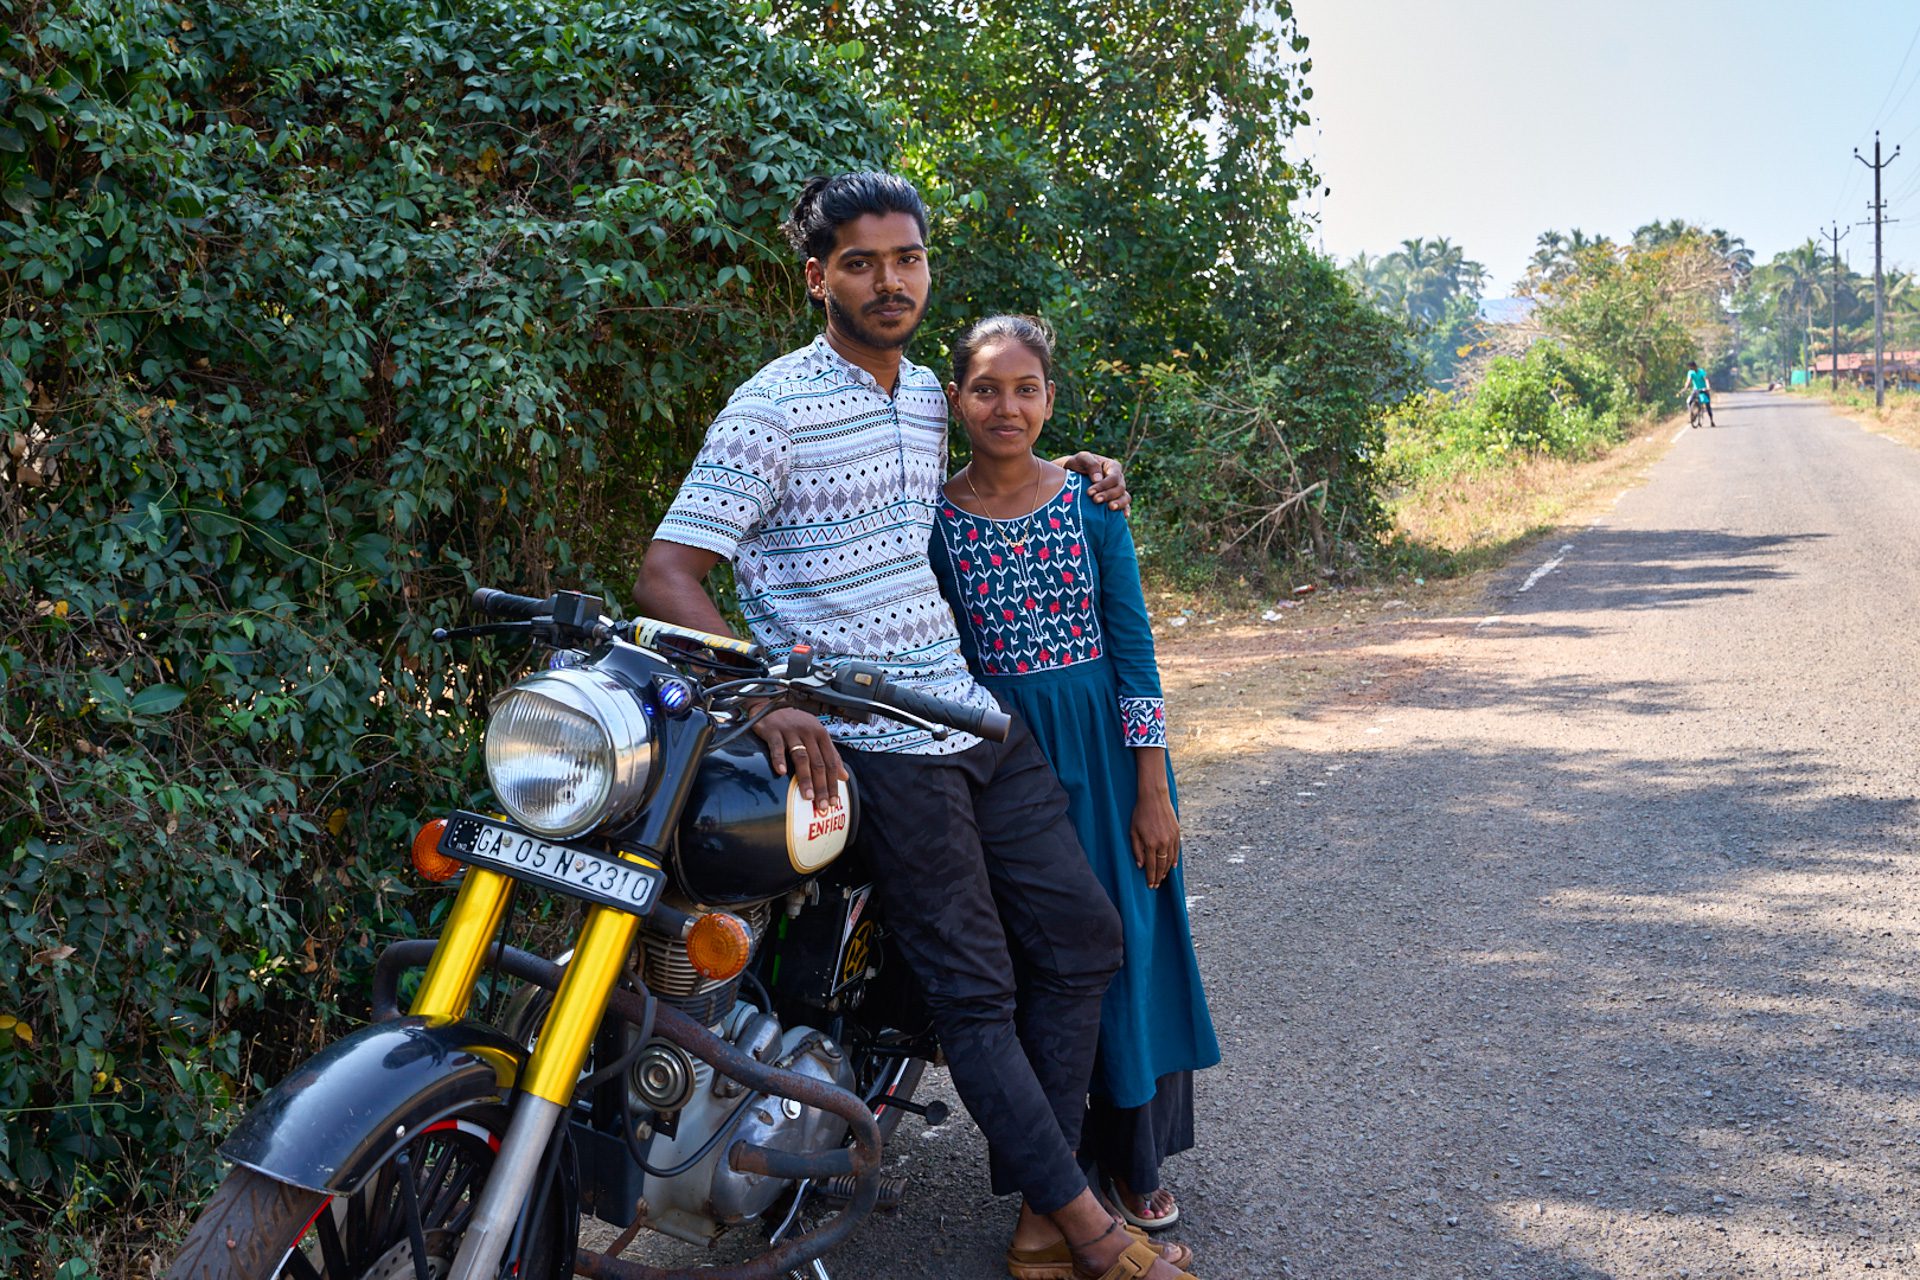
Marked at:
<point>1052,620</point>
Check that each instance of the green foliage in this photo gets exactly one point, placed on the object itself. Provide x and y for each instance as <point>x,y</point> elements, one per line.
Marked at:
<point>1647,308</point>
<point>314,316</point>
<point>1109,166</point>
<point>1552,400</point>
<point>1279,452</point>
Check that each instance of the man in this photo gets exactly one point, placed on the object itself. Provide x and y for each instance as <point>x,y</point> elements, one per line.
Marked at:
<point>1697,390</point>
<point>819,481</point>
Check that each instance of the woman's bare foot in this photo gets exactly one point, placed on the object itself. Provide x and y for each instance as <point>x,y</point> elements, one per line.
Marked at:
<point>1150,1207</point>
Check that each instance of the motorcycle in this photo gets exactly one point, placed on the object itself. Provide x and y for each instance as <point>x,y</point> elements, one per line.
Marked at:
<point>723,1046</point>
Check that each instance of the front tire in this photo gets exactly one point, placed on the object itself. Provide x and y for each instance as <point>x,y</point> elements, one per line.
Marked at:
<point>256,1228</point>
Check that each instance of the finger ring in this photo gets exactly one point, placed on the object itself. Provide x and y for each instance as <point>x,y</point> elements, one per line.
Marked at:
<point>796,751</point>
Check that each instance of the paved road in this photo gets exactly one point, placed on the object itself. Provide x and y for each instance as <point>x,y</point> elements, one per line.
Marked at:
<point>1591,951</point>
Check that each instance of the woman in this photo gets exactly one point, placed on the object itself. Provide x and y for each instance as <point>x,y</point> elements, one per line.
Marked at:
<point>1046,589</point>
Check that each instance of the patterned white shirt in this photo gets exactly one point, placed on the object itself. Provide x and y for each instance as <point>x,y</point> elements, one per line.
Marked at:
<point>822,488</point>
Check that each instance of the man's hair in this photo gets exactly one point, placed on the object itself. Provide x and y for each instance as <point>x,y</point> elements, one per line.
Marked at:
<point>827,204</point>
<point>1692,364</point>
<point>1031,332</point>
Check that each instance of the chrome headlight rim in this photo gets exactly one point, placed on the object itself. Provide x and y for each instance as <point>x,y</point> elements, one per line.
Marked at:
<point>625,729</point>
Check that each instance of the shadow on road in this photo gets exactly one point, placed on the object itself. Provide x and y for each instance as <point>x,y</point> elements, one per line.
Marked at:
<point>1616,569</point>
<point>1520,1028</point>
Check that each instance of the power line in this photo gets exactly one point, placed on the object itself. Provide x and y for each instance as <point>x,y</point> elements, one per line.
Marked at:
<point>1881,115</point>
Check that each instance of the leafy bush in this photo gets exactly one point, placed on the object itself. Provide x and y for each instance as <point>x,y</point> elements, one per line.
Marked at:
<point>314,316</point>
<point>1552,400</point>
<point>1278,452</point>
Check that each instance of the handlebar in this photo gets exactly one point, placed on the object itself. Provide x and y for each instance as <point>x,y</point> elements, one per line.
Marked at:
<point>861,680</point>
<point>505,604</point>
<point>569,617</point>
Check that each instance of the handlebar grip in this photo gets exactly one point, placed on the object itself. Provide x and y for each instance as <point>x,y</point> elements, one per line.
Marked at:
<point>504,604</point>
<point>983,722</point>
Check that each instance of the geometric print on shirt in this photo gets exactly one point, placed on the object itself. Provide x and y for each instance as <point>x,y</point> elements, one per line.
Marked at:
<point>821,489</point>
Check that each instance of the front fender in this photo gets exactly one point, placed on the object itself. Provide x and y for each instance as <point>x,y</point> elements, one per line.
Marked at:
<point>322,1127</point>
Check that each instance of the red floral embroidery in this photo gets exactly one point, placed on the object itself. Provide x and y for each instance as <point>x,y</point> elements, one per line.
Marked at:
<point>996,560</point>
<point>1074,551</point>
<point>966,566</point>
<point>1054,607</point>
<point>1021,665</point>
<point>982,588</point>
<point>1066,576</point>
<point>973,535</point>
<point>1054,521</point>
<point>1044,553</point>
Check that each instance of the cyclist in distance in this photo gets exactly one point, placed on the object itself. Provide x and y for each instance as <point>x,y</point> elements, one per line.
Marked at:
<point>1697,390</point>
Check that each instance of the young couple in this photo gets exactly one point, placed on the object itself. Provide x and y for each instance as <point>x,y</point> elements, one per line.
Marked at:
<point>1033,886</point>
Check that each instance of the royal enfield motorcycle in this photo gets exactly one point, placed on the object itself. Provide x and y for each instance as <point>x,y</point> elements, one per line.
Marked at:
<point>717,1049</point>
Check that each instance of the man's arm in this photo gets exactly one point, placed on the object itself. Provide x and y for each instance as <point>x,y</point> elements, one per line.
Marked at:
<point>668,587</point>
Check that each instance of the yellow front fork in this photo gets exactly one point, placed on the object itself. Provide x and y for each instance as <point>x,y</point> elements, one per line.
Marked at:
<point>471,926</point>
<point>567,1034</point>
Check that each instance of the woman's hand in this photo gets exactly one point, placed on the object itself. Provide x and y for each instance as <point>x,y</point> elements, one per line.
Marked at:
<point>1156,828</point>
<point>798,742</point>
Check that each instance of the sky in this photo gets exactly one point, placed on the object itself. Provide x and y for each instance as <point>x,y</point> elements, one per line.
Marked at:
<point>1489,121</point>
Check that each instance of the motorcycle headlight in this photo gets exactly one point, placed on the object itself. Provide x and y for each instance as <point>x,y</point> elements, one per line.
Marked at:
<point>568,750</point>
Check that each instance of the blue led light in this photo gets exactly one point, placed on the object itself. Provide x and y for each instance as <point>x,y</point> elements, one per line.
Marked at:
<point>674,696</point>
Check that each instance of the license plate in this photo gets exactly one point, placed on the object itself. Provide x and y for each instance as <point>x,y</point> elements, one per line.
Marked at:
<point>580,873</point>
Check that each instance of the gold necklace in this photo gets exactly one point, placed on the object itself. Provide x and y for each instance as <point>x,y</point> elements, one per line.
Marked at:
<point>1019,547</point>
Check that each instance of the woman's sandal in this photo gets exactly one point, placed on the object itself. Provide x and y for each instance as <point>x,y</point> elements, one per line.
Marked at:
<point>1136,1262</point>
<point>1055,1262</point>
<point>1141,1220</point>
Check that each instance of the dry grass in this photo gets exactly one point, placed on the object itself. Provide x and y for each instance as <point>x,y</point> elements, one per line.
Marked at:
<point>1898,420</point>
<point>1474,520</point>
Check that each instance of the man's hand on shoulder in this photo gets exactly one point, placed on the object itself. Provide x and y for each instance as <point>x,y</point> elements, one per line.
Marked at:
<point>1108,482</point>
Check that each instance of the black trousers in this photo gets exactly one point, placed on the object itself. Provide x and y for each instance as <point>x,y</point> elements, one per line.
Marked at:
<point>982,877</point>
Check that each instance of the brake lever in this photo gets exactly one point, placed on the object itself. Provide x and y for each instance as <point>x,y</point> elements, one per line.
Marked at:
<point>442,635</point>
<point>834,702</point>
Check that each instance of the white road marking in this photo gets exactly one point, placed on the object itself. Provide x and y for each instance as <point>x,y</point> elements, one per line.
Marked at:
<point>1545,569</point>
<point>1487,621</point>
<point>1681,432</point>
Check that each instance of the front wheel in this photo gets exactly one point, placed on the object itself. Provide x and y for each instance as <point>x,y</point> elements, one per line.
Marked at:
<point>417,1201</point>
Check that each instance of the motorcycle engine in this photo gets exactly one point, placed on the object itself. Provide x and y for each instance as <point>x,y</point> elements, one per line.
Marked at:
<point>697,1204</point>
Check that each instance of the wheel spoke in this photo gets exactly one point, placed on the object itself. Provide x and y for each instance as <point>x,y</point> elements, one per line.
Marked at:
<point>446,1158</point>
<point>333,1252</point>
<point>410,1201</point>
<point>443,1213</point>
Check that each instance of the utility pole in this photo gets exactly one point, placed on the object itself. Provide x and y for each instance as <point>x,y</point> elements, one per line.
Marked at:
<point>1833,302</point>
<point>1879,208</point>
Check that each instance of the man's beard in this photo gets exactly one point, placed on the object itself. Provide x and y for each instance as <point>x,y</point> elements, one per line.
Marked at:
<point>848,321</point>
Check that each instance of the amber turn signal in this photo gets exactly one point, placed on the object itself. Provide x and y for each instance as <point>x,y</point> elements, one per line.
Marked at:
<point>719,946</point>
<point>427,858</point>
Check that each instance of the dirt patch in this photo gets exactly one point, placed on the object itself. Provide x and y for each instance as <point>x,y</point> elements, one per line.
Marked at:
<point>1255,678</point>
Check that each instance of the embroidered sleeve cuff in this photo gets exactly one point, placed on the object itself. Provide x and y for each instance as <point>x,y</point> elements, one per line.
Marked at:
<point>1144,721</point>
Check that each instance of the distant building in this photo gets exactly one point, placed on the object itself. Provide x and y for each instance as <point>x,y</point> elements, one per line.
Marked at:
<point>1857,366</point>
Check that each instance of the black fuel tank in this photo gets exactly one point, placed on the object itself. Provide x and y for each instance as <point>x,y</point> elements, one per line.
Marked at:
<point>747,835</point>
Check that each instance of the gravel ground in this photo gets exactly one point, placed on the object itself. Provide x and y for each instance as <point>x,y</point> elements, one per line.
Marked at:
<point>1582,946</point>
